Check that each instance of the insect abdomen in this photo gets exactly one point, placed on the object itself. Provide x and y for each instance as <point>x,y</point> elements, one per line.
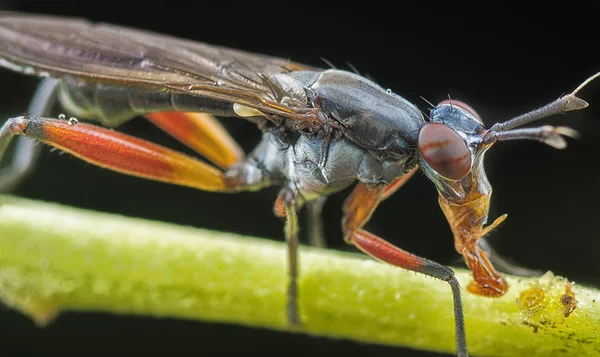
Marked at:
<point>114,105</point>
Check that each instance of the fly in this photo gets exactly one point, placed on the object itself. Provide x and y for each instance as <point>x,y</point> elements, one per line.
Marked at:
<point>323,130</point>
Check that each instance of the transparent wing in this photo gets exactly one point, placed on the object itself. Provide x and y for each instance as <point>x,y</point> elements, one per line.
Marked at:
<point>56,46</point>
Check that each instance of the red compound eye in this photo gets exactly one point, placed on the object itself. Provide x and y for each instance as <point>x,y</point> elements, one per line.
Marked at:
<point>462,105</point>
<point>445,151</point>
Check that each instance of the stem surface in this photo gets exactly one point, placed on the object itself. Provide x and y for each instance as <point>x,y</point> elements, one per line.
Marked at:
<point>55,258</point>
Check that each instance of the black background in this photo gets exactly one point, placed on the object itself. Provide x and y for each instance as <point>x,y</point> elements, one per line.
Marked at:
<point>499,59</point>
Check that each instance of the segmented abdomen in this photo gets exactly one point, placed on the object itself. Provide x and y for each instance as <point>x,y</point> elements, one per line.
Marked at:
<point>114,105</point>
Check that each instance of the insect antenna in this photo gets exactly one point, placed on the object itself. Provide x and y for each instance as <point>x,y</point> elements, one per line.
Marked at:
<point>549,135</point>
<point>585,83</point>
<point>553,136</point>
<point>563,104</point>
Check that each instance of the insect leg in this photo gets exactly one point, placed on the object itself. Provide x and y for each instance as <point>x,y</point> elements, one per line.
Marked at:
<point>358,208</point>
<point>316,232</point>
<point>26,150</point>
<point>285,206</point>
<point>202,133</point>
<point>395,186</point>
<point>119,152</point>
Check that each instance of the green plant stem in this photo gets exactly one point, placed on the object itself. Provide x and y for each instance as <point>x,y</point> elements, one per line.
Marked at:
<point>55,258</point>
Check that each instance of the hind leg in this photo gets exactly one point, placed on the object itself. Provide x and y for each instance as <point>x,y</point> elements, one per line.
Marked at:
<point>202,133</point>
<point>136,157</point>
<point>26,151</point>
<point>120,152</point>
<point>129,155</point>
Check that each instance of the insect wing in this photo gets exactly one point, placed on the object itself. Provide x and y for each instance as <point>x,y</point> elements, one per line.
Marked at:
<point>58,47</point>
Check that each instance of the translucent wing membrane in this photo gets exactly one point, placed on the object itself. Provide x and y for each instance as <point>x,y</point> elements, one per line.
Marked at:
<point>58,47</point>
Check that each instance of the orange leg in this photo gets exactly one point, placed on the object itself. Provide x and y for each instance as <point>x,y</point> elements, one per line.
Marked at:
<point>118,152</point>
<point>129,155</point>
<point>358,208</point>
<point>202,133</point>
<point>395,186</point>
